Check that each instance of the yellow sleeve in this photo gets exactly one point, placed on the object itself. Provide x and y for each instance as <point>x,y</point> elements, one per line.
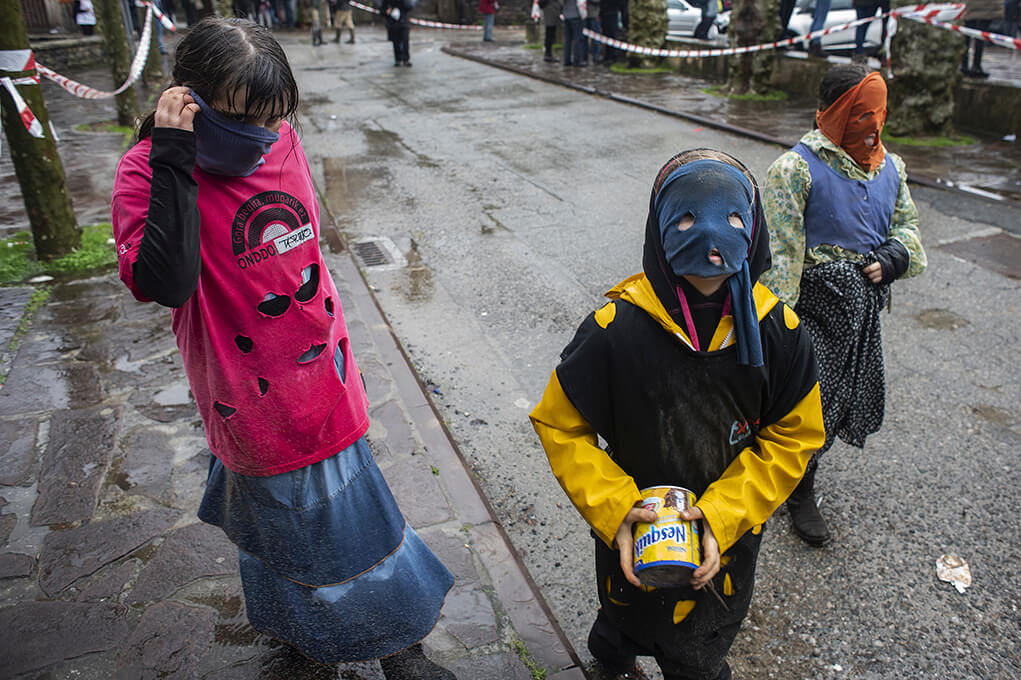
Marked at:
<point>601,491</point>
<point>763,475</point>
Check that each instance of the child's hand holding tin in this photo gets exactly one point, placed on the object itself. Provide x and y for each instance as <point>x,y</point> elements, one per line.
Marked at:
<point>710,549</point>
<point>624,541</point>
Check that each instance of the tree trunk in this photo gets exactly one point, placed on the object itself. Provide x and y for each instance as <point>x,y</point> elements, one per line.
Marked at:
<point>36,161</point>
<point>925,67</point>
<point>118,51</point>
<point>648,26</point>
<point>753,22</point>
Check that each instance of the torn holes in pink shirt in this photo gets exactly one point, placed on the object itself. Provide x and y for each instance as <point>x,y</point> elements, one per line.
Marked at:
<point>224,410</point>
<point>274,305</point>
<point>311,353</point>
<point>263,387</point>
<point>243,342</point>
<point>329,306</point>
<point>309,283</point>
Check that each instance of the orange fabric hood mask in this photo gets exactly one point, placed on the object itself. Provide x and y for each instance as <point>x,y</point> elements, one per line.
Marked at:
<point>858,113</point>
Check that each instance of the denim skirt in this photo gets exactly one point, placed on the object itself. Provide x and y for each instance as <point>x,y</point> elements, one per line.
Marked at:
<point>328,563</point>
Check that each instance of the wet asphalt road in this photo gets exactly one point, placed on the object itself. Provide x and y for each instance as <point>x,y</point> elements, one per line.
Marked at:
<point>516,203</point>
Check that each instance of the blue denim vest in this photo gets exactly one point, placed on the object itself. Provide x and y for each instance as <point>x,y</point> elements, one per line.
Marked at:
<point>850,213</point>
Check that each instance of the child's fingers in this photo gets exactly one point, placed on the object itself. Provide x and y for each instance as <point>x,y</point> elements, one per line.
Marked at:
<point>627,564</point>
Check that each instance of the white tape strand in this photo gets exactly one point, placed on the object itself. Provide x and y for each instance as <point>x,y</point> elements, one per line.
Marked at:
<point>135,70</point>
<point>421,22</point>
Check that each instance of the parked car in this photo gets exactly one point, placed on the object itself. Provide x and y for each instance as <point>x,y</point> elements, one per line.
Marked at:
<point>842,12</point>
<point>684,17</point>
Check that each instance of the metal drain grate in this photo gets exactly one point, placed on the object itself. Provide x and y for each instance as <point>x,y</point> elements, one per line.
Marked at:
<point>378,253</point>
<point>370,254</point>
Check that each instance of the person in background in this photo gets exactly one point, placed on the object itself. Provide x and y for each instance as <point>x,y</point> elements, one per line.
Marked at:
<point>978,14</point>
<point>488,8</point>
<point>842,229</point>
<point>398,28</point>
<point>329,565</point>
<point>609,11</point>
<point>819,14</point>
<point>342,18</point>
<point>710,8</point>
<point>591,22</point>
<point>85,16</point>
<point>551,10</point>
<point>863,9</point>
<point>574,42</point>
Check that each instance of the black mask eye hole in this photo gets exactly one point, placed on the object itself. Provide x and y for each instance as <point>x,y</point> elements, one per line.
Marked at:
<point>274,305</point>
<point>310,283</point>
<point>687,222</point>
<point>735,220</point>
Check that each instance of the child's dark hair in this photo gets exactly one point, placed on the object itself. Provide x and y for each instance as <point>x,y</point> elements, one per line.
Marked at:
<point>234,57</point>
<point>838,80</point>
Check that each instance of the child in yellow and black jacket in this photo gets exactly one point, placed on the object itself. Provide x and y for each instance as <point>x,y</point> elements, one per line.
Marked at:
<point>697,376</point>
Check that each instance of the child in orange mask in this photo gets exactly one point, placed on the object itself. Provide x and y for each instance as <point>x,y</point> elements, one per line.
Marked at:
<point>842,228</point>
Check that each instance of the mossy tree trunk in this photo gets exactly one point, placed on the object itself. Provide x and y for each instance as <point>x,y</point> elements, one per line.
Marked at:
<point>648,26</point>
<point>118,51</point>
<point>36,161</point>
<point>925,71</point>
<point>753,22</point>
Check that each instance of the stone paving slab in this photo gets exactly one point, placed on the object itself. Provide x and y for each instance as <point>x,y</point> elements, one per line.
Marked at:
<point>75,464</point>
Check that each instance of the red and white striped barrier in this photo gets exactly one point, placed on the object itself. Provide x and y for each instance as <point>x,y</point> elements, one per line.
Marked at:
<point>137,64</point>
<point>32,124</point>
<point>926,13</point>
<point>421,22</point>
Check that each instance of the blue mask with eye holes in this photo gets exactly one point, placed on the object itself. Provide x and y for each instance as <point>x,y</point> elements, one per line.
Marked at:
<point>224,146</point>
<point>710,191</point>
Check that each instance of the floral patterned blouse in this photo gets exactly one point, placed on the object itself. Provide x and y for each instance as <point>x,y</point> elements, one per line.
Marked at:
<point>784,196</point>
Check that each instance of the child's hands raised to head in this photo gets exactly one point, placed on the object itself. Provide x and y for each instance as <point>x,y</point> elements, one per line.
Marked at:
<point>710,550</point>
<point>624,541</point>
<point>176,109</point>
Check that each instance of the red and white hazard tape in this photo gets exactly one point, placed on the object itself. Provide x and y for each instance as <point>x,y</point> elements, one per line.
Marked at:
<point>137,64</point>
<point>421,22</point>
<point>926,13</point>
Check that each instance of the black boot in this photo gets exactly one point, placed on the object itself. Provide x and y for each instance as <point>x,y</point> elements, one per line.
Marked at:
<point>805,518</point>
<point>336,36</point>
<point>412,664</point>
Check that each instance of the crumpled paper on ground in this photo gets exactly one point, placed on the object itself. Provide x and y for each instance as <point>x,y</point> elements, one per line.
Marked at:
<point>954,570</point>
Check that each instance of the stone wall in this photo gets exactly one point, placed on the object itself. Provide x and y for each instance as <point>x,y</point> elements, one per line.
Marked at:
<point>61,53</point>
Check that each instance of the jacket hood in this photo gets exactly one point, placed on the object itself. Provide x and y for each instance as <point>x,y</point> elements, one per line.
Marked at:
<point>638,290</point>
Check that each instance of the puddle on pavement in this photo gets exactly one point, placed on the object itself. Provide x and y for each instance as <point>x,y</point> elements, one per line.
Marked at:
<point>388,144</point>
<point>940,319</point>
<point>415,282</point>
<point>345,186</point>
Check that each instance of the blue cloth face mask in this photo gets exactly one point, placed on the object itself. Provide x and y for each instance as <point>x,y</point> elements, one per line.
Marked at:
<point>711,191</point>
<point>224,146</point>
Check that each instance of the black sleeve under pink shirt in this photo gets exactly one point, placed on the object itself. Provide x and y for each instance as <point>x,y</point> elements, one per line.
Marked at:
<point>169,261</point>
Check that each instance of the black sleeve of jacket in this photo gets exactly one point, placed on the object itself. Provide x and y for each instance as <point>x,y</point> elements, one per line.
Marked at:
<point>893,257</point>
<point>169,261</point>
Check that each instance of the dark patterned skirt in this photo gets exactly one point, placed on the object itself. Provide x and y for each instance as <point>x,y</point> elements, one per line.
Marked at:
<point>328,563</point>
<point>840,307</point>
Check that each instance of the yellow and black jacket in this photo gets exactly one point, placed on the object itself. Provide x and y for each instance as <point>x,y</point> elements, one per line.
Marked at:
<point>738,436</point>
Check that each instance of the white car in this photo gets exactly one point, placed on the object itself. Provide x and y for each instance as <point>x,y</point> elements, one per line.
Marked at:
<point>842,12</point>
<point>684,18</point>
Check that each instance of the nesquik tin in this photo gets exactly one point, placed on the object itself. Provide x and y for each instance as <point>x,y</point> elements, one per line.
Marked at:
<point>668,550</point>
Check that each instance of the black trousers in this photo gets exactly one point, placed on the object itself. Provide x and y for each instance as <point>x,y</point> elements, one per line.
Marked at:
<point>608,22</point>
<point>617,652</point>
<point>551,35</point>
